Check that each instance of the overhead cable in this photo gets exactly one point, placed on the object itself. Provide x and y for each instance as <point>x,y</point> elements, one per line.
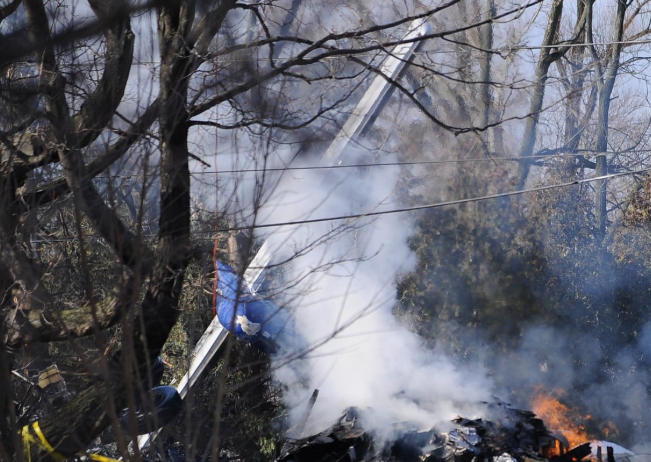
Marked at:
<point>404,209</point>
<point>400,164</point>
<point>438,204</point>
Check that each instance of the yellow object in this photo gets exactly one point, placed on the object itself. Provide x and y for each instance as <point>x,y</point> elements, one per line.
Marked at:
<point>28,440</point>
<point>49,376</point>
<point>99,458</point>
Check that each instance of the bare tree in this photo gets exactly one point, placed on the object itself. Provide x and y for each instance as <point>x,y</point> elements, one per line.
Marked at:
<point>68,122</point>
<point>75,122</point>
<point>606,70</point>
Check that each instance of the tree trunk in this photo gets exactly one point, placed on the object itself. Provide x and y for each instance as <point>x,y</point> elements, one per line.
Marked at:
<point>574,77</point>
<point>145,336</point>
<point>535,107</point>
<point>485,99</point>
<point>606,83</point>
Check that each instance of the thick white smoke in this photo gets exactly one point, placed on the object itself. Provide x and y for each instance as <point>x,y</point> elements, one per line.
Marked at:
<point>342,292</point>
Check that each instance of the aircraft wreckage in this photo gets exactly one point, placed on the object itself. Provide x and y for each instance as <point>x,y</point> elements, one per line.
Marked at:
<point>511,435</point>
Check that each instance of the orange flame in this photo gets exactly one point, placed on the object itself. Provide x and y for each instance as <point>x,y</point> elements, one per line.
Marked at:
<point>610,430</point>
<point>559,418</point>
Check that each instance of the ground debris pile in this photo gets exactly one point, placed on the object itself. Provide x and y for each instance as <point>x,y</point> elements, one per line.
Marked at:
<point>511,435</point>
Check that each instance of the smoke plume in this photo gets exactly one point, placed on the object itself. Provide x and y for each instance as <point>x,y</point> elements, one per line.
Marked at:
<point>343,277</point>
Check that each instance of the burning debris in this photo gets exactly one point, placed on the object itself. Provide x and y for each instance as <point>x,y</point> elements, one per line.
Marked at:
<point>511,435</point>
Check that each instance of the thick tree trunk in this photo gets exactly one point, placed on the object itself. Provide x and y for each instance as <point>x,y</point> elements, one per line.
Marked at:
<point>485,98</point>
<point>606,82</point>
<point>145,336</point>
<point>9,440</point>
<point>574,77</point>
<point>547,57</point>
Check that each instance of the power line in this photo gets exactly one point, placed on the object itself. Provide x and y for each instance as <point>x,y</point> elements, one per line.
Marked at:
<point>436,205</point>
<point>573,45</point>
<point>399,164</point>
<point>501,50</point>
<point>416,163</point>
<point>334,167</point>
<point>399,210</point>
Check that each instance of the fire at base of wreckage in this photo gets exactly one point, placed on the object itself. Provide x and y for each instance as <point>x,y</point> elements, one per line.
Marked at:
<point>552,432</point>
<point>511,435</point>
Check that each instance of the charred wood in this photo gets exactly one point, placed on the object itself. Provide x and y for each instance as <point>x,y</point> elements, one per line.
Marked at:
<point>574,455</point>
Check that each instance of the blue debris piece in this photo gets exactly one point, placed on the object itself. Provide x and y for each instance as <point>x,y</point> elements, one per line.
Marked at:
<point>162,405</point>
<point>259,322</point>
